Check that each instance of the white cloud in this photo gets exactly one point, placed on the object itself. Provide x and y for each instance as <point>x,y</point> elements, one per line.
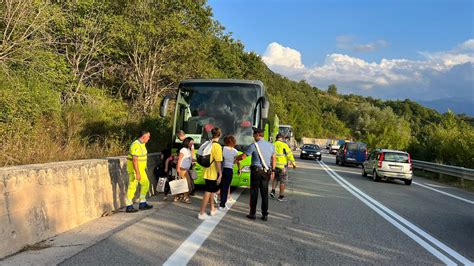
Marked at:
<point>461,54</point>
<point>425,79</point>
<point>348,42</point>
<point>278,55</point>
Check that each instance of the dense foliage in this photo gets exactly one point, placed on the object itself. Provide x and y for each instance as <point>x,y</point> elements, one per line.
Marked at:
<point>78,79</point>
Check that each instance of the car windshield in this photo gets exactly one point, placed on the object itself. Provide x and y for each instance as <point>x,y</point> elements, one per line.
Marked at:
<point>395,157</point>
<point>310,147</point>
<point>352,146</point>
<point>230,107</point>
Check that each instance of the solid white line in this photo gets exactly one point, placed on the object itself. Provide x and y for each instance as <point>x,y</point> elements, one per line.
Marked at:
<point>424,234</point>
<point>410,234</point>
<point>380,210</point>
<point>442,192</point>
<point>193,243</point>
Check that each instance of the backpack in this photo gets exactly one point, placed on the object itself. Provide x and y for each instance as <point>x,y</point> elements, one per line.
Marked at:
<point>204,154</point>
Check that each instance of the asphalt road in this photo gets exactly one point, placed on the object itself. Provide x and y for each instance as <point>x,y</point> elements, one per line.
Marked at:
<point>333,216</point>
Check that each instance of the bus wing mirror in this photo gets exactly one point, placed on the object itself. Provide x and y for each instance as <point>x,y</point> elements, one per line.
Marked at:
<point>164,106</point>
<point>265,108</point>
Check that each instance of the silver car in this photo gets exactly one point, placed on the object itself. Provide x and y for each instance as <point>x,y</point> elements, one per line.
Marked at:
<point>389,164</point>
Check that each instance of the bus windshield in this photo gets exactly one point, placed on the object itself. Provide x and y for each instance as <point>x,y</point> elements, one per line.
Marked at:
<point>229,106</point>
<point>285,131</point>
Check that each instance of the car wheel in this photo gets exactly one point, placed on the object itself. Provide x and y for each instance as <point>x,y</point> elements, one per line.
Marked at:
<point>363,171</point>
<point>375,176</point>
<point>319,159</point>
<point>342,163</point>
<point>337,161</point>
<point>408,182</point>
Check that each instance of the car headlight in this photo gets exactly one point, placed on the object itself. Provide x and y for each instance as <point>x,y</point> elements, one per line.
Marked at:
<point>303,152</point>
<point>246,169</point>
<point>318,153</point>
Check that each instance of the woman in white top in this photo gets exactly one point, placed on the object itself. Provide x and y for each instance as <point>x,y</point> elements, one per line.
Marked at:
<point>185,160</point>
<point>229,153</point>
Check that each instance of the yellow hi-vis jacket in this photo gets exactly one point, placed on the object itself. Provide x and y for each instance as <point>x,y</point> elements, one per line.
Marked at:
<point>137,149</point>
<point>283,154</point>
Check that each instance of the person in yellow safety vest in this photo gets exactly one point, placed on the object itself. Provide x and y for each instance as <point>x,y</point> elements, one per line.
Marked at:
<point>136,168</point>
<point>284,156</point>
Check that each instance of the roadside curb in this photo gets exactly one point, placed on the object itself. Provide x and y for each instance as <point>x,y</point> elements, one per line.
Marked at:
<point>57,249</point>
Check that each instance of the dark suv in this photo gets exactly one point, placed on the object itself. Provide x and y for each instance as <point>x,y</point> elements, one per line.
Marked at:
<point>352,153</point>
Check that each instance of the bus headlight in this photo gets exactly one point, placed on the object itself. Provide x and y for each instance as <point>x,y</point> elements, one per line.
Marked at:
<point>246,169</point>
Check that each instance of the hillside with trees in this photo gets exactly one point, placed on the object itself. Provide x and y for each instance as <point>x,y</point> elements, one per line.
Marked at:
<point>79,79</point>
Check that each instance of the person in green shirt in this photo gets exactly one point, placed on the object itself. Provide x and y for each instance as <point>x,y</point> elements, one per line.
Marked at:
<point>136,168</point>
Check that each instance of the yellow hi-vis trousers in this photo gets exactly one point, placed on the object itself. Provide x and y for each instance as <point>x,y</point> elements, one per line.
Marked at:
<point>132,186</point>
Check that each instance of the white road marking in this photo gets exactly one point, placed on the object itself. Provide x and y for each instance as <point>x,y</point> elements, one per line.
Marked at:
<point>428,186</point>
<point>402,224</point>
<point>193,243</point>
<point>442,192</point>
<point>438,186</point>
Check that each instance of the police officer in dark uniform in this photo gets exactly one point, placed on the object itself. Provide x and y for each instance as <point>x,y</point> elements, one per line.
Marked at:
<point>259,176</point>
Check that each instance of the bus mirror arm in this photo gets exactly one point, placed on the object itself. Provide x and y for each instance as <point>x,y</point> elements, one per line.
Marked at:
<point>265,108</point>
<point>261,101</point>
<point>164,106</point>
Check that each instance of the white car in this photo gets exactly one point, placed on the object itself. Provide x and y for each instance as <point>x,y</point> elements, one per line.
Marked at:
<point>389,164</point>
<point>334,148</point>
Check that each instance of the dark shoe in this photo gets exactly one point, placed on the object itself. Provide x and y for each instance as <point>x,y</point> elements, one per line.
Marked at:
<point>272,194</point>
<point>144,206</point>
<point>265,218</point>
<point>130,209</point>
<point>251,217</point>
<point>282,198</point>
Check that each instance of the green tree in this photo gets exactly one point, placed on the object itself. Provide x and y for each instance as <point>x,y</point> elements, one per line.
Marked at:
<point>332,90</point>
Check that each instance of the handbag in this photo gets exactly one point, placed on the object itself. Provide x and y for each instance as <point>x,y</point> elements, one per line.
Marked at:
<point>160,187</point>
<point>178,186</point>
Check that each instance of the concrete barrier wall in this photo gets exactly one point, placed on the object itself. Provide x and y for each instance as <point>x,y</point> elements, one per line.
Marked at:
<point>43,200</point>
<point>320,142</point>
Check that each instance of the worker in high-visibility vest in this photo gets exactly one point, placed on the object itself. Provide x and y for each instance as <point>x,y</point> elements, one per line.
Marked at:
<point>136,168</point>
<point>284,156</point>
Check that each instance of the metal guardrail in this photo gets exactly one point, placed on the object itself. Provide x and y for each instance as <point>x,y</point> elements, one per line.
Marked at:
<point>461,172</point>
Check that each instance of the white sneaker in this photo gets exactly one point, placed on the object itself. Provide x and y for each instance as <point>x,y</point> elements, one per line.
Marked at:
<point>203,216</point>
<point>222,208</point>
<point>230,200</point>
<point>213,213</point>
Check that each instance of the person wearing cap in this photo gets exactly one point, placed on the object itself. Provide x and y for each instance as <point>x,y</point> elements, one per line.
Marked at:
<point>259,176</point>
<point>283,157</point>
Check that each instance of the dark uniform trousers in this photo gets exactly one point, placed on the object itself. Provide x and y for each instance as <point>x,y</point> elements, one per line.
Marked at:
<point>258,181</point>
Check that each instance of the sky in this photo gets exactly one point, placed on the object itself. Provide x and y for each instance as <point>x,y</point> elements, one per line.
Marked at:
<point>421,50</point>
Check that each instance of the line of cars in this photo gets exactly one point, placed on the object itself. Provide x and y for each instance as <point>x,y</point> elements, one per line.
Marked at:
<point>380,164</point>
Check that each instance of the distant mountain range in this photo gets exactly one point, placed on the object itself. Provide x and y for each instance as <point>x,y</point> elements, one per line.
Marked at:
<point>456,105</point>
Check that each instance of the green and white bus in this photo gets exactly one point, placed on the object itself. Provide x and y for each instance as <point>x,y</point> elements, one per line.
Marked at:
<point>235,106</point>
<point>287,131</point>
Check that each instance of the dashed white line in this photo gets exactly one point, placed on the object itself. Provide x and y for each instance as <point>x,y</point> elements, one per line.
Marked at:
<point>402,224</point>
